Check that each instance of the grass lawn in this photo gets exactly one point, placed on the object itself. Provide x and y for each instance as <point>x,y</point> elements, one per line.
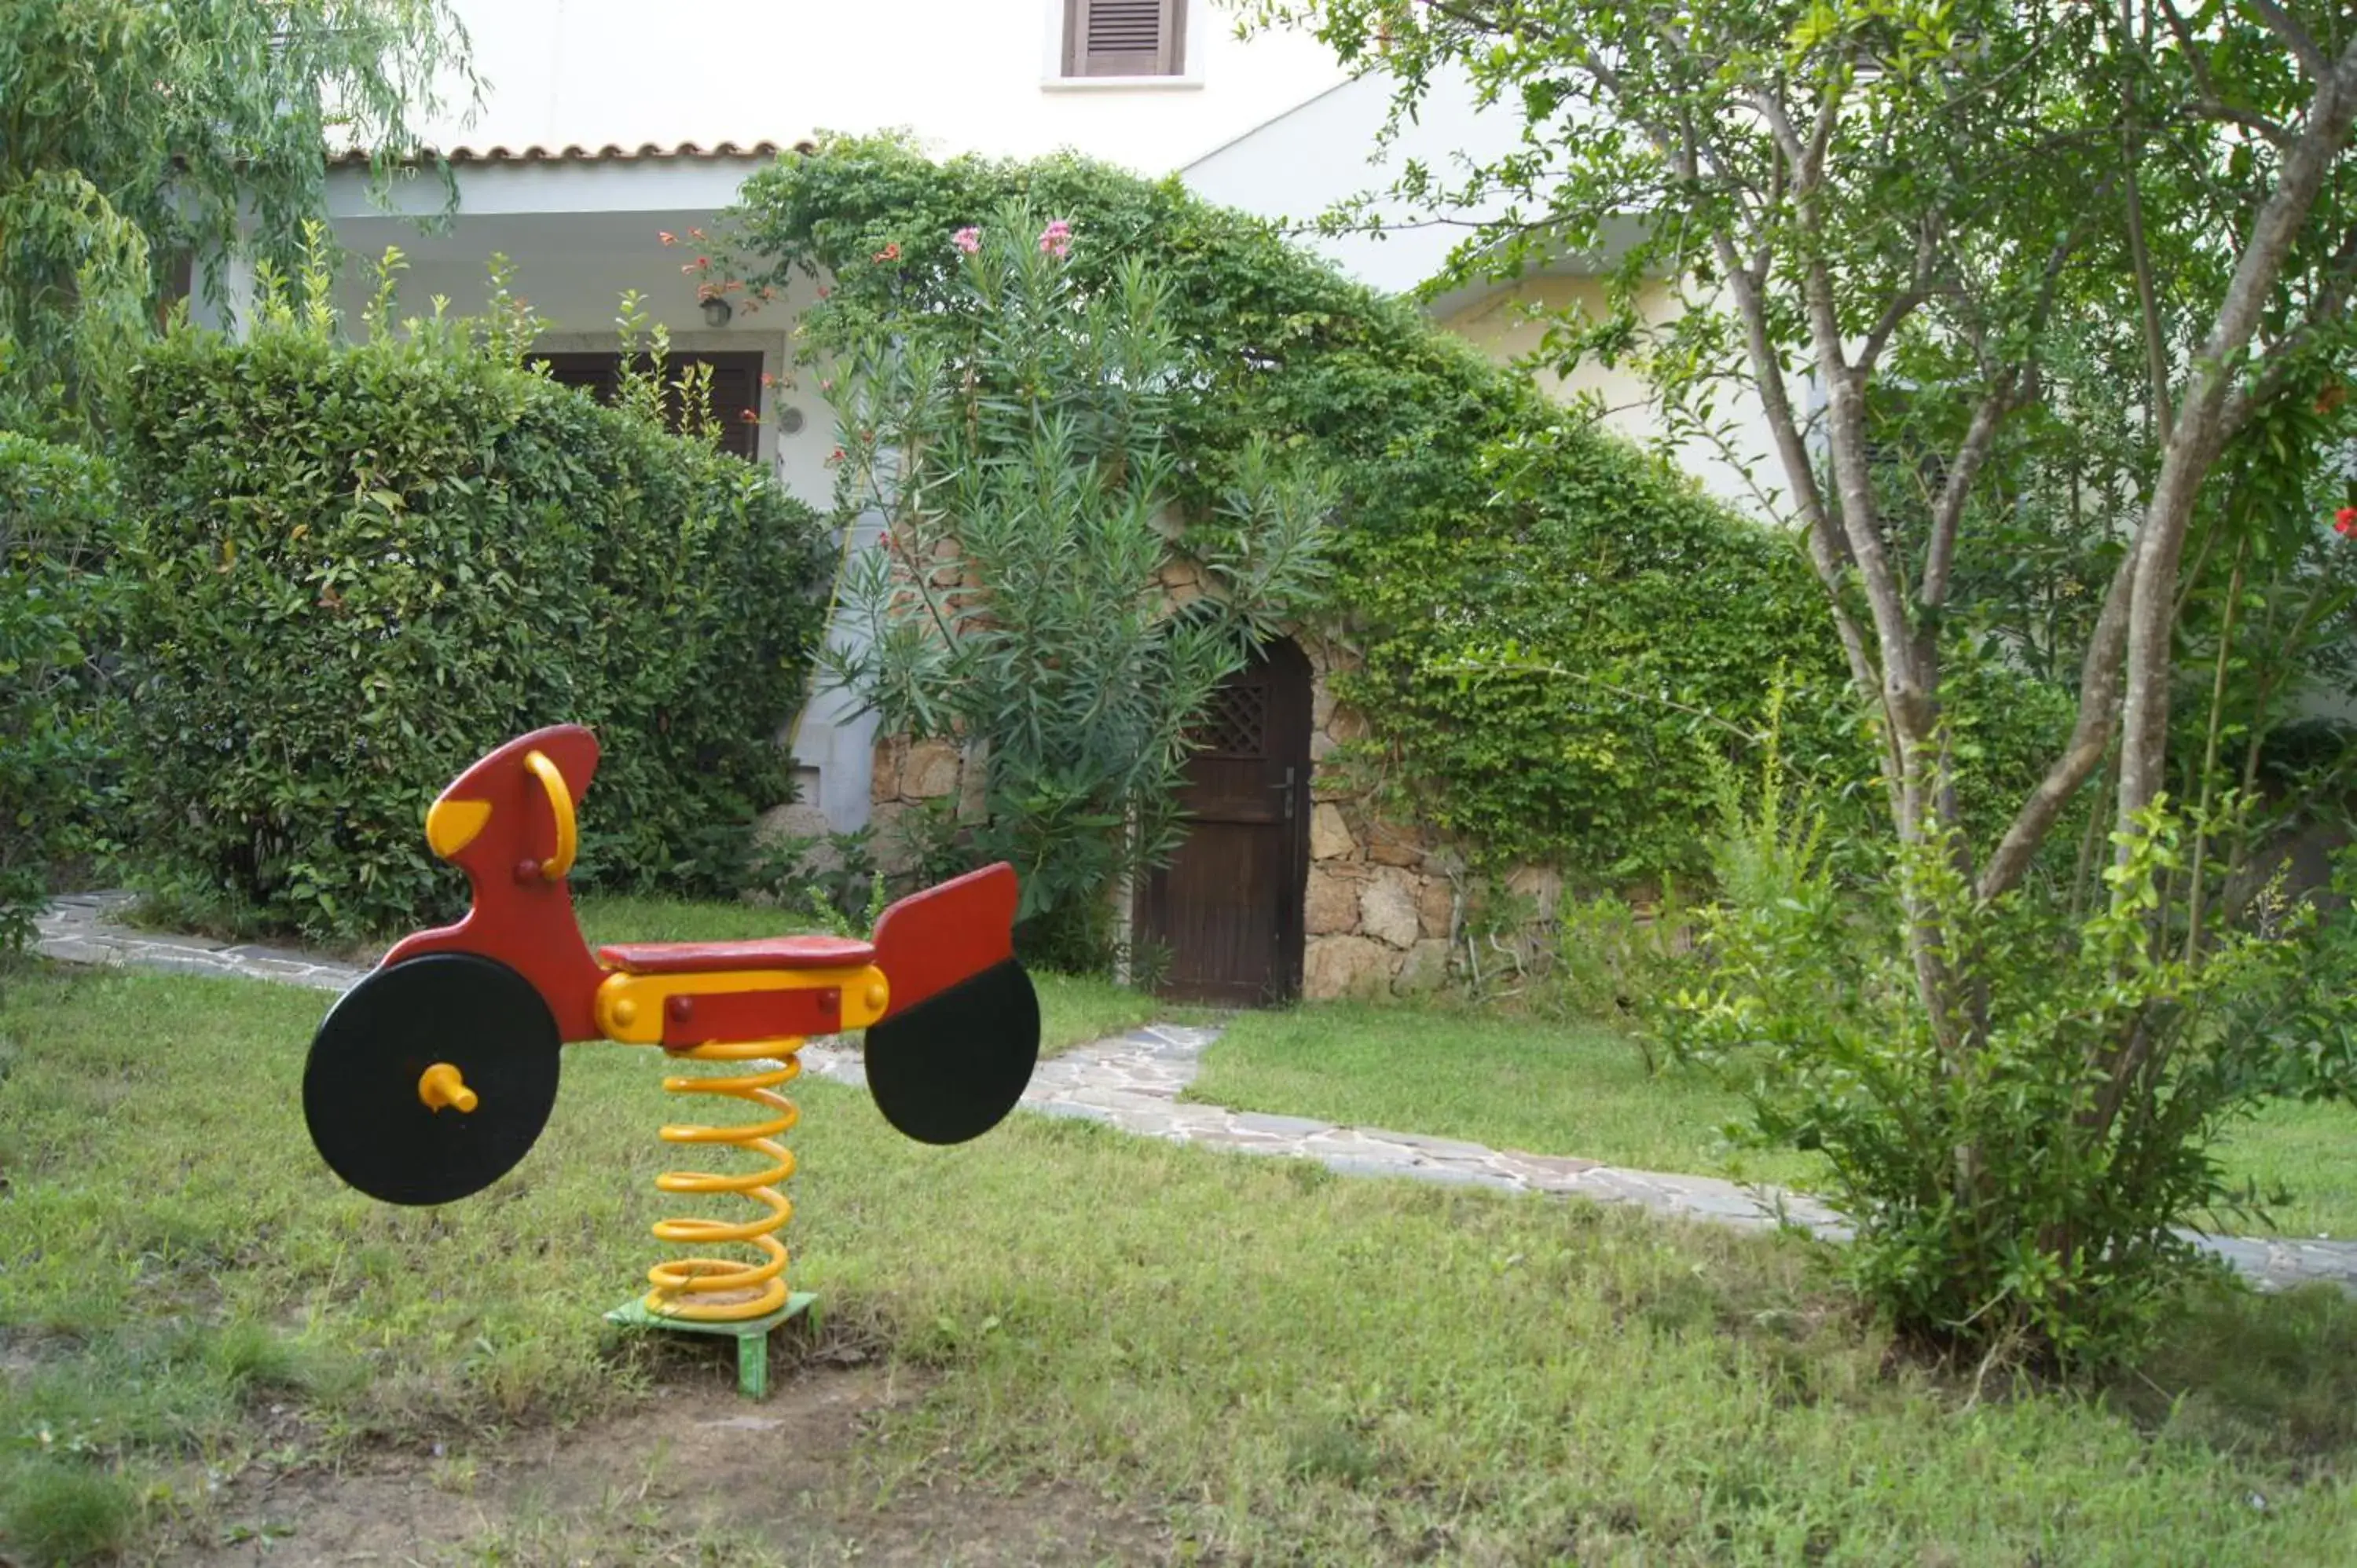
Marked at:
<point>1269,1362</point>
<point>1580,1089</point>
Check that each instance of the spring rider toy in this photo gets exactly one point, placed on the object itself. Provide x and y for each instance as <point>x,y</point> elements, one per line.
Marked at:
<point>435,1075</point>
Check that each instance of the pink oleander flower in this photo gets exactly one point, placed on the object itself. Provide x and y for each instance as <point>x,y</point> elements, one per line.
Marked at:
<point>1056,239</point>
<point>748,415</point>
<point>891,253</point>
<point>968,238</point>
<point>2344,522</point>
<point>768,380</point>
<point>667,237</point>
<point>695,233</point>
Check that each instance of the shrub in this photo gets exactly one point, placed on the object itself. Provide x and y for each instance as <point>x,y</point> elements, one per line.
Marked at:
<point>433,550</point>
<point>1013,443</point>
<point>1549,620</point>
<point>2034,1191</point>
<point>57,522</point>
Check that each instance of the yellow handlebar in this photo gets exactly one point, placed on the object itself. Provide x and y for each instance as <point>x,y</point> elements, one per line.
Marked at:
<point>559,802</point>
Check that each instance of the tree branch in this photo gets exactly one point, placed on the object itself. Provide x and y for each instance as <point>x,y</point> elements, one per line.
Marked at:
<point>2339,273</point>
<point>2090,737</point>
<point>1901,695</point>
<point>1787,140</point>
<point>2209,101</point>
<point>1903,304</point>
<point>2296,39</point>
<point>2199,433</point>
<point>2139,253</point>
<point>1948,512</point>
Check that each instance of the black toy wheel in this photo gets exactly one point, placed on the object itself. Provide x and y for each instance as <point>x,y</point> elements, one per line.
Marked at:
<point>950,1068</point>
<point>360,1087</point>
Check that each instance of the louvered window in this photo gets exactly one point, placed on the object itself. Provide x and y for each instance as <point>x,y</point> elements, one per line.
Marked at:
<point>736,390</point>
<point>1124,37</point>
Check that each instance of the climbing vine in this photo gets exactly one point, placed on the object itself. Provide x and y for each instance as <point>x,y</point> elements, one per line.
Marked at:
<point>1554,629</point>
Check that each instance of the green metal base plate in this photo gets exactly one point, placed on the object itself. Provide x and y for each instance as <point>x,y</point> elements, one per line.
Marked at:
<point>751,1333</point>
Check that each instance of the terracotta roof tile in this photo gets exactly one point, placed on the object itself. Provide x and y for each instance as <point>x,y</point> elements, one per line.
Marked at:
<point>577,153</point>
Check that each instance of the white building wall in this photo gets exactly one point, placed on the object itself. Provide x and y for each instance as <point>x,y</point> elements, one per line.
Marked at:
<point>963,75</point>
<point>1294,168</point>
<point>1304,162</point>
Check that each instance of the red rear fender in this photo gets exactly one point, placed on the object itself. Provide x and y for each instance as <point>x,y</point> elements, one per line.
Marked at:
<point>930,942</point>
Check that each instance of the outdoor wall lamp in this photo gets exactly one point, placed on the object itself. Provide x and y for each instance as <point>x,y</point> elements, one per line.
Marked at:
<point>717,312</point>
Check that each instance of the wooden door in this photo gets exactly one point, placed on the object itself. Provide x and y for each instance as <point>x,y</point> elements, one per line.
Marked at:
<point>736,389</point>
<point>1225,915</point>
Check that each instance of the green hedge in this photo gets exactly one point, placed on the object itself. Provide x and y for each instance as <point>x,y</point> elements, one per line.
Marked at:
<point>58,522</point>
<point>357,567</point>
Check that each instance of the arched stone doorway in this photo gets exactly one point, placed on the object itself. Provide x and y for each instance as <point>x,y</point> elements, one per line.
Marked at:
<point>1225,916</point>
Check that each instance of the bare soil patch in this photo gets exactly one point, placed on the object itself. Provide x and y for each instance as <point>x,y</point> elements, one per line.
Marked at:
<point>698,1477</point>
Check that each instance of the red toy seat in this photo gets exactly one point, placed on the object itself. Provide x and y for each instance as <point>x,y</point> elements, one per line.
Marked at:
<point>764,953</point>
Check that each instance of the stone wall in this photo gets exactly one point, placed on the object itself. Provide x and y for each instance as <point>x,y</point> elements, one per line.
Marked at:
<point>1384,906</point>
<point>911,776</point>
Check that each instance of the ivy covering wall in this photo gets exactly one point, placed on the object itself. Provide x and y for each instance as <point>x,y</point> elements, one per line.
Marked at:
<point>1556,630</point>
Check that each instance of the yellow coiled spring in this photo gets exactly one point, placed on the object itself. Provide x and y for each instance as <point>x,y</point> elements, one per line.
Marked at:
<point>726,1290</point>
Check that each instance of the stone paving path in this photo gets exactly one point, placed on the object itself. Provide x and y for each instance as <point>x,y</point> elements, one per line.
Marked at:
<point>82,928</point>
<point>1133,1082</point>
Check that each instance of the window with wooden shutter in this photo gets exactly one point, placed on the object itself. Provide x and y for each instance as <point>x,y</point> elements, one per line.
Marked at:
<point>736,390</point>
<point>1124,37</point>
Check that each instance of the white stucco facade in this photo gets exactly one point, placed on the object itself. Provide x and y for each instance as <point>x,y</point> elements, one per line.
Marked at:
<point>1736,463</point>
<point>1323,151</point>
<point>979,76</point>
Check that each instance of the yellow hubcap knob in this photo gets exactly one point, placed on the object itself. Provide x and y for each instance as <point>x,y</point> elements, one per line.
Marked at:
<point>442,1086</point>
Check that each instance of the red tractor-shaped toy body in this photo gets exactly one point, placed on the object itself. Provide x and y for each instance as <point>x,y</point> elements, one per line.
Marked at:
<point>435,1075</point>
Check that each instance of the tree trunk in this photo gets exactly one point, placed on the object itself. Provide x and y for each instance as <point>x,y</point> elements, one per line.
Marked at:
<point>2199,433</point>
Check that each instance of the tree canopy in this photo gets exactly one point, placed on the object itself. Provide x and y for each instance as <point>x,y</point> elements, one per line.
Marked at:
<point>2018,287</point>
<point>2005,208</point>
<point>140,143</point>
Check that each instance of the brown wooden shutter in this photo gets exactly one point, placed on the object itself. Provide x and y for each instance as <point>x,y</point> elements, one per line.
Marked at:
<point>1124,37</point>
<point>736,390</point>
